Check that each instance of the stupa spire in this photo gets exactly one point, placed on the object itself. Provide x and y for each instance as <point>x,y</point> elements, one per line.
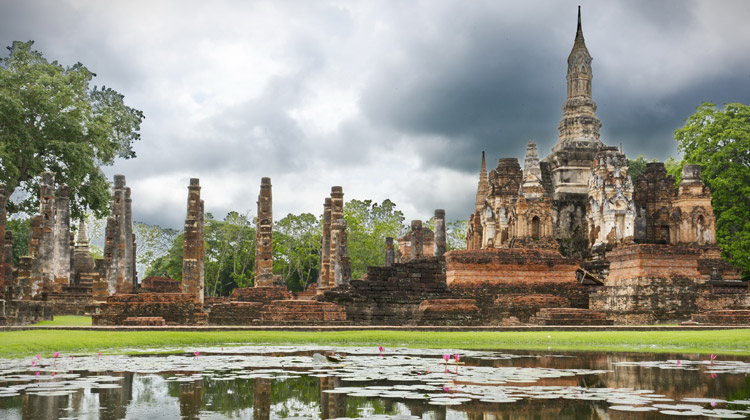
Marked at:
<point>483,188</point>
<point>579,122</point>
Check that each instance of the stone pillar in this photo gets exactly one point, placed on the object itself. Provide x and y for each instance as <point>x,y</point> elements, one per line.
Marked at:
<point>440,245</point>
<point>416,240</point>
<point>42,237</point>
<point>342,267</point>
<point>193,251</point>
<point>325,247</point>
<point>118,245</point>
<point>4,281</point>
<point>7,265</point>
<point>337,212</point>
<point>390,252</point>
<point>62,250</point>
<point>264,237</point>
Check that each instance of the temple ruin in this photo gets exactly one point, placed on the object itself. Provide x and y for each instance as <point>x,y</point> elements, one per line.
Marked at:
<point>568,239</point>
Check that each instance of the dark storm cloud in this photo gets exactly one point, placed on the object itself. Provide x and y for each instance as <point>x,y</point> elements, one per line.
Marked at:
<point>403,94</point>
<point>491,90</point>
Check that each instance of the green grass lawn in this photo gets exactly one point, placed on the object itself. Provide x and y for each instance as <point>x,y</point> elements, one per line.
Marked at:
<point>29,342</point>
<point>66,321</point>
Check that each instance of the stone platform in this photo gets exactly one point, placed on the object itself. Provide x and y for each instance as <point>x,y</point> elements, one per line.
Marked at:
<point>174,308</point>
<point>724,317</point>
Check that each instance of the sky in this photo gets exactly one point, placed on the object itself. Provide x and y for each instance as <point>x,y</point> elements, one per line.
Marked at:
<point>389,99</point>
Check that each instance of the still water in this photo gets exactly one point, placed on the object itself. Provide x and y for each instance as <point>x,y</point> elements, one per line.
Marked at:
<point>346,382</point>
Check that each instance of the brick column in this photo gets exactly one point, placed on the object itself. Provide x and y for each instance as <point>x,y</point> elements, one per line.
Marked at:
<point>416,240</point>
<point>193,249</point>
<point>264,237</point>
<point>440,245</point>
<point>325,247</point>
<point>118,244</point>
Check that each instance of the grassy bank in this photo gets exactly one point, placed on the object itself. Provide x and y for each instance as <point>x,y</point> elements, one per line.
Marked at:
<point>24,343</point>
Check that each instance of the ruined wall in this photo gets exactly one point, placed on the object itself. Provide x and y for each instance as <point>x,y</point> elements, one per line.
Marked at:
<point>390,295</point>
<point>653,195</point>
<point>650,283</point>
<point>512,285</point>
<point>193,248</point>
<point>174,308</point>
<point>23,312</point>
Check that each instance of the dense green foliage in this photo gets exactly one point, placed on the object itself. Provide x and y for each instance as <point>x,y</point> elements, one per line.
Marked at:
<point>719,140</point>
<point>21,228</point>
<point>296,249</point>
<point>45,342</point>
<point>369,223</point>
<point>51,120</point>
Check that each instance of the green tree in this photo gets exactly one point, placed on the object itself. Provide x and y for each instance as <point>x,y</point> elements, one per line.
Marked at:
<point>169,265</point>
<point>456,234</point>
<point>719,141</point>
<point>152,242</point>
<point>21,228</point>
<point>368,225</point>
<point>296,246</point>
<point>51,120</point>
<point>230,253</point>
<point>638,165</point>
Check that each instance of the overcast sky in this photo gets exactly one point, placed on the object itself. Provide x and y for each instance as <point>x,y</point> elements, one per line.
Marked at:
<point>390,99</point>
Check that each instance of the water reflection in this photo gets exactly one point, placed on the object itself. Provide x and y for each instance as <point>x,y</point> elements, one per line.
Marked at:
<point>302,392</point>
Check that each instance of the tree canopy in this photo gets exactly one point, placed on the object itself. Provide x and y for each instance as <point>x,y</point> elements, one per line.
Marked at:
<point>368,224</point>
<point>719,141</point>
<point>52,120</point>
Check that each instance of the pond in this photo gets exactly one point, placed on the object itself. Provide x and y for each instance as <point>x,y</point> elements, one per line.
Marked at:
<point>349,382</point>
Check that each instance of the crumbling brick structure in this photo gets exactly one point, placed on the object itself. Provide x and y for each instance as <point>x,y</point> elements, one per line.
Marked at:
<point>335,267</point>
<point>418,242</point>
<point>119,244</point>
<point>193,248</point>
<point>610,210</point>
<point>692,219</point>
<point>653,195</point>
<point>650,283</point>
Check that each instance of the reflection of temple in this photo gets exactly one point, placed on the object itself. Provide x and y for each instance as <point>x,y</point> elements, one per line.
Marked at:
<point>331,405</point>
<point>261,399</point>
<point>190,399</point>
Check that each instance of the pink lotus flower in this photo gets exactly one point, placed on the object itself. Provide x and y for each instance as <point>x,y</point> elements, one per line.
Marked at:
<point>37,373</point>
<point>33,363</point>
<point>38,357</point>
<point>446,357</point>
<point>197,353</point>
<point>714,404</point>
<point>679,363</point>
<point>98,354</point>
<point>57,354</point>
<point>714,376</point>
<point>446,389</point>
<point>381,349</point>
<point>457,357</point>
